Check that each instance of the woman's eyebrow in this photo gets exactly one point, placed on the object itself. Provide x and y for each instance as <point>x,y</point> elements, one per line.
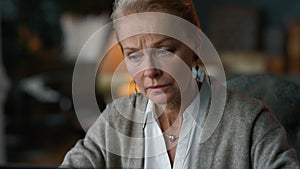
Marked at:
<point>158,43</point>
<point>130,48</point>
<point>163,41</point>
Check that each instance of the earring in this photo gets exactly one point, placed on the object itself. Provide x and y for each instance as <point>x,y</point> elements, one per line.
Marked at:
<point>198,74</point>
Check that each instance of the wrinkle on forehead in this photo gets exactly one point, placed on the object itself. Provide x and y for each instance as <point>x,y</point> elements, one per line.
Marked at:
<point>145,41</point>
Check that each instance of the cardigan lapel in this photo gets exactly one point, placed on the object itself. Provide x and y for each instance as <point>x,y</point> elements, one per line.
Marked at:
<point>137,133</point>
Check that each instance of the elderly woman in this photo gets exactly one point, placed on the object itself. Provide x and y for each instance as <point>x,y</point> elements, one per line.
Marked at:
<point>164,126</point>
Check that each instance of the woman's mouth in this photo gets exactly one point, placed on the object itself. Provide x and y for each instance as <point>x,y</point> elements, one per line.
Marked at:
<point>157,87</point>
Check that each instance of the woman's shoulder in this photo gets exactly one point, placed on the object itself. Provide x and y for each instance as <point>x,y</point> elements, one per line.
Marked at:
<point>125,110</point>
<point>238,102</point>
<point>127,104</point>
<point>121,116</point>
<point>246,111</point>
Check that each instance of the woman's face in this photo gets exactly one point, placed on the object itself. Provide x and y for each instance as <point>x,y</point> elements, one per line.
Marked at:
<point>155,61</point>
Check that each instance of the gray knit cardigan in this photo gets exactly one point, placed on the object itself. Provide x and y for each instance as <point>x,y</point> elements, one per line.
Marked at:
<point>248,136</point>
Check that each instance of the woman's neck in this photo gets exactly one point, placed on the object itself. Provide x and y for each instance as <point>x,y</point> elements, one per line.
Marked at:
<point>170,113</point>
<point>173,111</point>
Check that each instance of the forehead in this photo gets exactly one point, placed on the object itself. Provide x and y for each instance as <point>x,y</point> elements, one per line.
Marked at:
<point>159,23</point>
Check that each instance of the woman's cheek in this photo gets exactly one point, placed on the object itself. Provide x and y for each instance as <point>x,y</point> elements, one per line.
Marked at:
<point>131,70</point>
<point>140,84</point>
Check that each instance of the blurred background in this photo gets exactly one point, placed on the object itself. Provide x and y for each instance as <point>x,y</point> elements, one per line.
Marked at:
<point>258,42</point>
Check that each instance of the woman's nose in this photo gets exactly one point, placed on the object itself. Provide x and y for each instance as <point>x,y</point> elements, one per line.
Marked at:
<point>151,67</point>
<point>152,72</point>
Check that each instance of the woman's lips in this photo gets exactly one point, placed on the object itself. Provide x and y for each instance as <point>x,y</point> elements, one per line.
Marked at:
<point>157,87</point>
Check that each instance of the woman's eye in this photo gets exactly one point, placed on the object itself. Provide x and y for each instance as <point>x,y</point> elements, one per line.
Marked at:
<point>134,57</point>
<point>163,52</point>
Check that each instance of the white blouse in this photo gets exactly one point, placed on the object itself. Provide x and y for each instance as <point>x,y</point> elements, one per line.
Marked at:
<point>156,155</point>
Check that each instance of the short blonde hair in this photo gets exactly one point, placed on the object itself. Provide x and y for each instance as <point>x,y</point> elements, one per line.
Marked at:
<point>181,8</point>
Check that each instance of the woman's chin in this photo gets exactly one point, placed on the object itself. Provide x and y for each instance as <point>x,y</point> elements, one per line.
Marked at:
<point>160,98</point>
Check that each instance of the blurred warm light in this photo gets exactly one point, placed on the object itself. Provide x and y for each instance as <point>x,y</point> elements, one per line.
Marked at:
<point>113,78</point>
<point>293,48</point>
<point>30,38</point>
<point>111,60</point>
<point>127,89</point>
